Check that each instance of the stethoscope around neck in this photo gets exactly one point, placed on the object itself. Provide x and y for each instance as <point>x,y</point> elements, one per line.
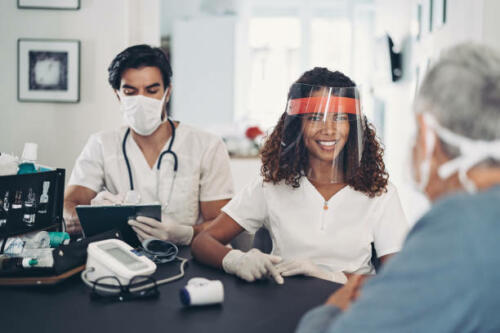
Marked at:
<point>158,164</point>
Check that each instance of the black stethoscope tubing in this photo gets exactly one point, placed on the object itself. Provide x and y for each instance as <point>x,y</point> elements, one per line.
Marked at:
<point>158,165</point>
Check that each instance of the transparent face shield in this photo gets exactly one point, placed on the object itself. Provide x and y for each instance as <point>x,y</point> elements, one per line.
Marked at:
<point>323,132</point>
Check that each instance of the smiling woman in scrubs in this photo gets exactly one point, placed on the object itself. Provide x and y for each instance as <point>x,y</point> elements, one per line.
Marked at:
<point>323,196</point>
<point>128,164</point>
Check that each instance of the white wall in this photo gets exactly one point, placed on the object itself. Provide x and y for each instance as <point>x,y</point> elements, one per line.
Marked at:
<point>104,29</point>
<point>466,20</point>
<point>141,21</point>
<point>491,23</point>
<point>397,99</point>
<point>244,170</point>
<point>203,52</point>
<point>170,10</point>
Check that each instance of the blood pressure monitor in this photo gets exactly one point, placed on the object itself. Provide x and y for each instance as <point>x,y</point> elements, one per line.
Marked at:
<point>113,257</point>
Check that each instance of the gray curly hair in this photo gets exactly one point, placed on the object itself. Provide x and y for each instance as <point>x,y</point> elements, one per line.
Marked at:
<point>462,91</point>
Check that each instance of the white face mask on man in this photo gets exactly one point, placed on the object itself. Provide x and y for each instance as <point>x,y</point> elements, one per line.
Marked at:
<point>141,113</point>
<point>472,152</point>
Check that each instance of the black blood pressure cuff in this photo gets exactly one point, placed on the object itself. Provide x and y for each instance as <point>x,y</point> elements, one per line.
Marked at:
<point>65,257</point>
<point>75,254</point>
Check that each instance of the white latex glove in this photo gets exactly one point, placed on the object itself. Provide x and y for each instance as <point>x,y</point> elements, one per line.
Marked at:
<point>132,198</point>
<point>251,265</point>
<point>308,268</point>
<point>106,198</point>
<point>169,230</point>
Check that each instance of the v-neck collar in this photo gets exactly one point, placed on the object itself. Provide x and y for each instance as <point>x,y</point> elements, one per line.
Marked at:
<point>314,190</point>
<point>143,160</point>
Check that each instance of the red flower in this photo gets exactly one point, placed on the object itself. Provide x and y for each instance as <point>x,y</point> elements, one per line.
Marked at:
<point>253,132</point>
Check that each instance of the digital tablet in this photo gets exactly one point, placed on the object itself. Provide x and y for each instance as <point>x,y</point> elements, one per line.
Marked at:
<point>98,219</point>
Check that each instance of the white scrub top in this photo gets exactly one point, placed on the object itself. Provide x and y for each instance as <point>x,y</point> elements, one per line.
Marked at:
<point>203,172</point>
<point>338,238</point>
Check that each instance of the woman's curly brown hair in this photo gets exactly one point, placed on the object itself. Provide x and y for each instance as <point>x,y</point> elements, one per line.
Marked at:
<point>280,151</point>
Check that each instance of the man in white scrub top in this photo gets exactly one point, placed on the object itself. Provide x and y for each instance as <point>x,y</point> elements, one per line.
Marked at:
<point>129,164</point>
<point>324,196</point>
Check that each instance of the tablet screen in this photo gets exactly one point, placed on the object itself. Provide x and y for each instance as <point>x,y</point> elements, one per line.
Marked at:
<point>98,219</point>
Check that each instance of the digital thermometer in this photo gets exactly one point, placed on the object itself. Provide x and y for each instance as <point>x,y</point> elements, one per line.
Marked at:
<point>113,257</point>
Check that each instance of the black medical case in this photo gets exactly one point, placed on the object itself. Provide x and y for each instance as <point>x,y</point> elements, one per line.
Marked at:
<point>21,209</point>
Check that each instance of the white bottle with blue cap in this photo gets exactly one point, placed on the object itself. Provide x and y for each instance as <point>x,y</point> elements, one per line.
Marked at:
<point>28,159</point>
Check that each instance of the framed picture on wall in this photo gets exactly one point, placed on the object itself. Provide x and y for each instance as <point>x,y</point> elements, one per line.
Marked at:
<point>48,4</point>
<point>48,70</point>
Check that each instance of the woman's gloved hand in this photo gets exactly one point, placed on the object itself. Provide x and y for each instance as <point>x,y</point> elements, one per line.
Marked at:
<point>168,230</point>
<point>308,268</point>
<point>251,265</point>
<point>105,198</point>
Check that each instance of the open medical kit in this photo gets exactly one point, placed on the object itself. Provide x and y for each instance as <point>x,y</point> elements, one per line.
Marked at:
<point>31,202</point>
<point>33,247</point>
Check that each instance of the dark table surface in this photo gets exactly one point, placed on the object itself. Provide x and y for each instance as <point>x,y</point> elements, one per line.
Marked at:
<point>262,306</point>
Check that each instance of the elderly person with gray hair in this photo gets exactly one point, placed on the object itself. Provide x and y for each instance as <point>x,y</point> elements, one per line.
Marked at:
<point>446,277</point>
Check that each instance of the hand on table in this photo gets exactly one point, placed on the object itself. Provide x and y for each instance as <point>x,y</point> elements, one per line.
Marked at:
<point>348,293</point>
<point>252,265</point>
<point>308,268</point>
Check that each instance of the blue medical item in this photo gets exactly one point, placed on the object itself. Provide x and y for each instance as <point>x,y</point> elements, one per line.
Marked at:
<point>25,168</point>
<point>57,238</point>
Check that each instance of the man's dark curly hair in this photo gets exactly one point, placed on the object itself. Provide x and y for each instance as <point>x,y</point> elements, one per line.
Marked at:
<point>139,56</point>
<point>280,151</point>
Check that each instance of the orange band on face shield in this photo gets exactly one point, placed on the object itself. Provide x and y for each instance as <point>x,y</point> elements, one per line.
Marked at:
<point>332,104</point>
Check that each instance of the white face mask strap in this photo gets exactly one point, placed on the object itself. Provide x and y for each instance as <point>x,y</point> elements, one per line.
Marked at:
<point>472,152</point>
